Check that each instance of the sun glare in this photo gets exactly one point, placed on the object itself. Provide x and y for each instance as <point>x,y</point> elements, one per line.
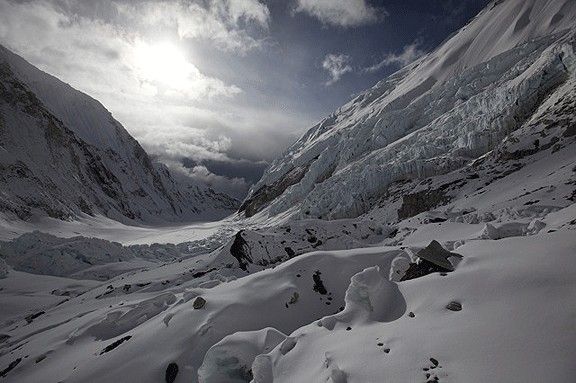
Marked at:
<point>162,63</point>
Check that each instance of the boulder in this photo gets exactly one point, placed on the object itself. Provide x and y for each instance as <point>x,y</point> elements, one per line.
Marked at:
<point>437,255</point>
<point>199,303</point>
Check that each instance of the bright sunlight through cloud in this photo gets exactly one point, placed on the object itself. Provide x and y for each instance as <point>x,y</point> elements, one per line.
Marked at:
<point>162,63</point>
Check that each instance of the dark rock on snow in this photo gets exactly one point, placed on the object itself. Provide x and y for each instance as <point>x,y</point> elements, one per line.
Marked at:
<point>171,372</point>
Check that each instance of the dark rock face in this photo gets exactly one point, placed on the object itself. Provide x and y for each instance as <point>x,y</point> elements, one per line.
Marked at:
<point>437,255</point>
<point>417,270</point>
<point>171,372</point>
<point>433,259</point>
<point>416,203</point>
<point>241,251</point>
<point>261,197</point>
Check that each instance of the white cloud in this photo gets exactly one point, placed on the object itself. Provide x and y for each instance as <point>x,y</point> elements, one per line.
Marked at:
<point>343,13</point>
<point>106,48</point>
<point>219,21</point>
<point>337,66</point>
<point>409,54</point>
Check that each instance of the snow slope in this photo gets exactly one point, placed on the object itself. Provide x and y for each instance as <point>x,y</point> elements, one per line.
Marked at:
<point>514,325</point>
<point>62,155</point>
<point>438,114</point>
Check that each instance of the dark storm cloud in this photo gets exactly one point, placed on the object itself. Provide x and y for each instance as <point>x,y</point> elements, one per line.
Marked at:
<point>250,171</point>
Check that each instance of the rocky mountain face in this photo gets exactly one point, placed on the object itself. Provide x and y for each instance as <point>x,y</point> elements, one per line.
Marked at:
<point>62,155</point>
<point>463,103</point>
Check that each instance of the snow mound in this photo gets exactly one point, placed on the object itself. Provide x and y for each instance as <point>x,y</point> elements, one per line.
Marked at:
<point>369,297</point>
<point>230,360</point>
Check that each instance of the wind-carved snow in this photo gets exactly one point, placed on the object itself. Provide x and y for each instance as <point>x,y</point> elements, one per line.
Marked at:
<point>434,116</point>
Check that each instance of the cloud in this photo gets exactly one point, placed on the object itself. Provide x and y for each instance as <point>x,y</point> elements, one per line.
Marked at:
<point>225,23</point>
<point>341,13</point>
<point>136,57</point>
<point>337,66</point>
<point>408,54</point>
<point>235,186</point>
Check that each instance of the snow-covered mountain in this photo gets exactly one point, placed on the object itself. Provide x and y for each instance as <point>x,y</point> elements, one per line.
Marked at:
<point>455,262</point>
<point>62,154</point>
<point>436,115</point>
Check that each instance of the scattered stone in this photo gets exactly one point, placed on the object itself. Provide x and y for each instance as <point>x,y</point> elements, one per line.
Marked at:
<point>348,328</point>
<point>411,314</point>
<point>198,303</point>
<point>454,306</point>
<point>30,318</point>
<point>171,372</point>
<point>112,346</point>
<point>10,367</point>
<point>318,284</point>
<point>387,350</point>
<point>294,298</point>
<point>434,362</point>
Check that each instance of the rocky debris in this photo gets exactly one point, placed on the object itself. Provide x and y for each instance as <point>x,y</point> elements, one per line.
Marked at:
<point>199,303</point>
<point>293,298</point>
<point>411,314</point>
<point>454,306</point>
<point>117,343</point>
<point>430,374</point>
<point>171,372</point>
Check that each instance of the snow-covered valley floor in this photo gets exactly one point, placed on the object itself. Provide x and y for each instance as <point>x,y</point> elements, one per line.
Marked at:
<point>506,314</point>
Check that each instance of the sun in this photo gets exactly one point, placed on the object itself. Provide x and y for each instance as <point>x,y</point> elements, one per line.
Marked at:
<point>162,64</point>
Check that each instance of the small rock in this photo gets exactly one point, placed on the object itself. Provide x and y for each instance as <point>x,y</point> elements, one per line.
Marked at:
<point>411,314</point>
<point>348,328</point>
<point>454,306</point>
<point>198,303</point>
<point>171,372</point>
<point>434,362</point>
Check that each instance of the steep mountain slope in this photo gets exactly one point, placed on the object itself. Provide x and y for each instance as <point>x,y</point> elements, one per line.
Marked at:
<point>62,155</point>
<point>434,116</point>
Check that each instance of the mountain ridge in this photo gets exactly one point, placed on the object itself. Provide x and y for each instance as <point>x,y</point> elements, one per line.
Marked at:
<point>106,170</point>
<point>437,114</point>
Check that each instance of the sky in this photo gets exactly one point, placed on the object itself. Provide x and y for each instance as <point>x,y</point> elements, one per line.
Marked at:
<point>216,89</point>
